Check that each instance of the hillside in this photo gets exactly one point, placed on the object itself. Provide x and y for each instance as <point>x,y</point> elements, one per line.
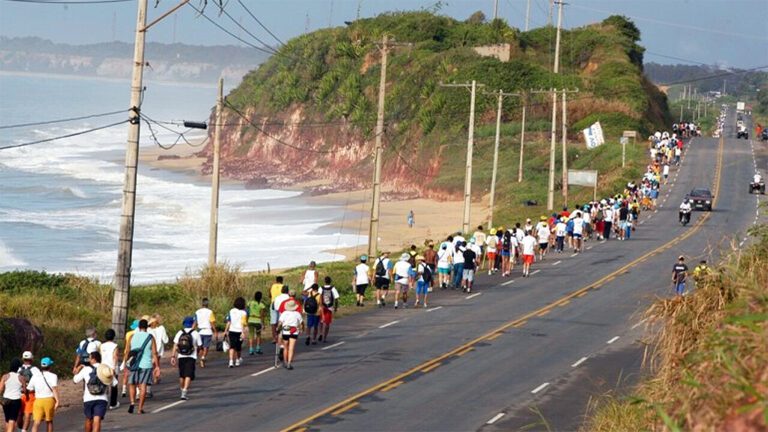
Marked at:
<point>309,112</point>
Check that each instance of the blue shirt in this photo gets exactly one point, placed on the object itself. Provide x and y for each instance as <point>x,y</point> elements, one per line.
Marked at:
<point>136,342</point>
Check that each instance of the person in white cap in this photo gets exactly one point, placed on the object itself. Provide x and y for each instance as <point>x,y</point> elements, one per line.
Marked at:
<point>27,370</point>
<point>96,380</point>
<point>402,279</point>
<point>290,324</point>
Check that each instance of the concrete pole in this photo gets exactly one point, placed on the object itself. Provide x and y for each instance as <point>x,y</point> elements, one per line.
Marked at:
<point>522,140</point>
<point>495,9</point>
<point>468,174</point>
<point>551,194</point>
<point>527,14</point>
<point>125,246</point>
<point>682,105</point>
<point>373,230</point>
<point>689,97</point>
<point>495,160</point>
<point>565,152</point>
<point>623,153</point>
<point>551,9</point>
<point>213,235</point>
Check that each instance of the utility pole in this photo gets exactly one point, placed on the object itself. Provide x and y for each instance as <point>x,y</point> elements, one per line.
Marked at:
<point>556,70</point>
<point>522,140</point>
<point>122,282</point>
<point>689,97</point>
<point>551,9</point>
<point>373,229</point>
<point>527,14</point>
<point>495,9</point>
<point>214,228</point>
<point>682,105</point>
<point>492,200</point>
<point>470,144</point>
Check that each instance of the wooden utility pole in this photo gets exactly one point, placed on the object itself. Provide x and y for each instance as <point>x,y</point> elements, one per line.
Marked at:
<point>214,228</point>
<point>492,199</point>
<point>373,229</point>
<point>522,140</point>
<point>122,282</point>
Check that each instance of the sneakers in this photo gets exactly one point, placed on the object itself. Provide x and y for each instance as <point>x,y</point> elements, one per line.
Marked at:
<point>306,342</point>
<point>395,305</point>
<point>251,351</point>
<point>183,395</point>
<point>231,364</point>
<point>130,409</point>
<point>289,367</point>
<point>115,407</point>
<point>320,338</point>
<point>259,351</point>
<point>238,362</point>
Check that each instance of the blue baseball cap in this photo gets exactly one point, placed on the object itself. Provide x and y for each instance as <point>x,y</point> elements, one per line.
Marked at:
<point>135,324</point>
<point>46,361</point>
<point>188,322</point>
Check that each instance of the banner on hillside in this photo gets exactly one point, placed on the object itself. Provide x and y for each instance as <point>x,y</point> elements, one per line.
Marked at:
<point>593,135</point>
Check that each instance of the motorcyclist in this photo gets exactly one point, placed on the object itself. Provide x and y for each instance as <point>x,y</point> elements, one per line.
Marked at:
<point>685,207</point>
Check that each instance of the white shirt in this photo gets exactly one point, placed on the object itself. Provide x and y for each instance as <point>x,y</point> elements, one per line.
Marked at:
<point>361,274</point>
<point>458,256</point>
<point>161,338</point>
<point>757,178</point>
<point>279,300</point>
<point>309,279</point>
<point>386,262</point>
<point>84,376</point>
<point>237,319</point>
<point>203,319</point>
<point>608,215</point>
<point>91,345</point>
<point>529,243</point>
<point>443,258</point>
<point>578,225</point>
<point>197,341</point>
<point>492,242</point>
<point>420,270</point>
<point>402,268</point>
<point>290,319</point>
<point>107,351</point>
<point>519,235</point>
<point>560,229</point>
<point>38,384</point>
<point>543,232</point>
<point>12,387</point>
<point>665,171</point>
<point>685,206</point>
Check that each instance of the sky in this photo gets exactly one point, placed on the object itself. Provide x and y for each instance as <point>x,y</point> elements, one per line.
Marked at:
<point>730,33</point>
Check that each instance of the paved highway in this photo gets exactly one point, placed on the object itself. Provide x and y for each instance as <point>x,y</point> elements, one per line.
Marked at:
<point>519,352</point>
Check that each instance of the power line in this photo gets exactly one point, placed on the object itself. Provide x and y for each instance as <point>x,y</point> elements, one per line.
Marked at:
<point>220,27</point>
<point>69,2</point>
<point>242,27</point>
<point>259,22</point>
<point>41,123</point>
<point>180,135</point>
<point>83,132</point>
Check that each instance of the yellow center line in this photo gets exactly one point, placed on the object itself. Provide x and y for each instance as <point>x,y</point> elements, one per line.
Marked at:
<point>582,294</point>
<point>463,349</point>
<point>429,368</point>
<point>520,324</point>
<point>345,408</point>
<point>563,303</point>
<point>543,312</point>
<point>493,336</point>
<point>391,386</point>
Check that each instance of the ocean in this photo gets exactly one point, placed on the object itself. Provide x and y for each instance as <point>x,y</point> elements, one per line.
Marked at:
<point>60,201</point>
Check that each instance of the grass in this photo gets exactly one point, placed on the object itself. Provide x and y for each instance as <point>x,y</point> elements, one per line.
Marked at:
<point>709,359</point>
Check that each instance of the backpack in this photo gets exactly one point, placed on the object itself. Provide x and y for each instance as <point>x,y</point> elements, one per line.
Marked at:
<point>506,242</point>
<point>186,344</point>
<point>134,357</point>
<point>310,305</point>
<point>26,372</point>
<point>82,352</point>
<point>327,296</point>
<point>94,384</point>
<point>426,274</point>
<point>381,271</point>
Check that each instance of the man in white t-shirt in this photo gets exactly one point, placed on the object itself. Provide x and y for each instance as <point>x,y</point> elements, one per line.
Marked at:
<point>205,322</point>
<point>185,345</point>
<point>361,279</point>
<point>403,278</point>
<point>95,397</point>
<point>559,231</point>
<point>383,275</point>
<point>529,251</point>
<point>542,232</point>
<point>492,243</point>
<point>578,232</point>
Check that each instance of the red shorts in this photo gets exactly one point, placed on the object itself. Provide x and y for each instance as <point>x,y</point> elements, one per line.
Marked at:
<point>28,402</point>
<point>491,256</point>
<point>326,316</point>
<point>527,259</point>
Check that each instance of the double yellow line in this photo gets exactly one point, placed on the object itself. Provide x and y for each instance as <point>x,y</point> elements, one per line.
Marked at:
<point>429,365</point>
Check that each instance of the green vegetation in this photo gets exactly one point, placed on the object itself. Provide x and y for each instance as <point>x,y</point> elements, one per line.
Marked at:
<point>709,359</point>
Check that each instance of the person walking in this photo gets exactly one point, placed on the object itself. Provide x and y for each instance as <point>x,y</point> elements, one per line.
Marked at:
<point>96,383</point>
<point>506,253</point>
<point>423,280</point>
<point>205,322</point>
<point>184,355</point>
<point>158,331</point>
<point>12,386</point>
<point>402,279</point>
<point>411,219</point>
<point>27,371</point>
<point>274,292</point>
<point>444,257</point>
<point>543,232</point>
<point>312,310</point>
<point>127,373</point>
<point>361,279</point>
<point>329,304</point>
<point>237,324</point>
<point>480,239</point>
<point>309,277</point>
<point>430,260</point>
<point>257,312</point>
<point>679,276</point>
<point>85,348</point>
<point>383,275</point>
<point>491,244</point>
<point>144,365</point>
<point>529,252</point>
<point>559,231</point>
<point>578,232</point>
<point>471,261</point>
<point>45,385</point>
<point>291,324</point>
<point>109,358</point>
<point>458,262</point>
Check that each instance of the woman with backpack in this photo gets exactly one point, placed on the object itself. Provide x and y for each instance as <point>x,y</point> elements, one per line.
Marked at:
<point>185,345</point>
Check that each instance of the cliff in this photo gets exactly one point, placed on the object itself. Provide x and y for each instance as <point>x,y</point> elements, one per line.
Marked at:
<point>309,112</point>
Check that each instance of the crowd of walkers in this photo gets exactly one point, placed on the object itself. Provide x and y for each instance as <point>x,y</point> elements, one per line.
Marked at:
<point>31,397</point>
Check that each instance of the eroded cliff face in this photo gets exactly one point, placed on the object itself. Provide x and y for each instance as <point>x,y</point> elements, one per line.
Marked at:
<point>291,150</point>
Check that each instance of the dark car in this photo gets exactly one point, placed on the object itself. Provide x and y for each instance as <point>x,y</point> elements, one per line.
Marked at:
<point>701,198</point>
<point>764,135</point>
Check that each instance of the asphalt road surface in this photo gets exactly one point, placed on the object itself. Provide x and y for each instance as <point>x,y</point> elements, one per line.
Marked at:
<point>519,353</point>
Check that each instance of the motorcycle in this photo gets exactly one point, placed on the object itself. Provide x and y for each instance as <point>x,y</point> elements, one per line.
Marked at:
<point>685,217</point>
<point>758,187</point>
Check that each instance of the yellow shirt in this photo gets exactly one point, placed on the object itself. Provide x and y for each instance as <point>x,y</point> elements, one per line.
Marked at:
<point>276,290</point>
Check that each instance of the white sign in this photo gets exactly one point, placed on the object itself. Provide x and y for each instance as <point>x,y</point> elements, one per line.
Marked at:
<point>582,178</point>
<point>593,136</point>
<point>623,140</point>
<point>630,134</point>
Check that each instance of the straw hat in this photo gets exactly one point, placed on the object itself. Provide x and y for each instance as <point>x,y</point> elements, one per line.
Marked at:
<point>419,258</point>
<point>105,374</point>
<point>291,305</point>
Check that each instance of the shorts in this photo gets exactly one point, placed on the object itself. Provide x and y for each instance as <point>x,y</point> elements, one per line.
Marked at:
<point>235,341</point>
<point>140,376</point>
<point>273,316</point>
<point>27,402</point>
<point>401,287</point>
<point>468,275</point>
<point>326,316</point>
<point>360,289</point>
<point>255,328</point>
<point>444,271</point>
<point>313,321</point>
<point>290,336</point>
<point>43,409</point>
<point>492,256</point>
<point>206,340</point>
<point>528,259</point>
<point>505,253</point>
<point>96,408</point>
<point>11,409</point>
<point>543,246</point>
<point>187,367</point>
<point>421,288</point>
<point>382,283</point>
<point>577,236</point>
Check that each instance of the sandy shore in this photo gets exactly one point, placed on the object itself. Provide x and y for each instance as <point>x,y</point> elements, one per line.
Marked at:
<point>178,158</point>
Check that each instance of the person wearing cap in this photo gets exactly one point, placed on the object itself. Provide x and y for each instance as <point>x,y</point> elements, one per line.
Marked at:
<point>27,371</point>
<point>679,275</point>
<point>491,244</point>
<point>205,323</point>
<point>290,324</point>
<point>94,405</point>
<point>403,278</point>
<point>423,280</point>
<point>383,275</point>
<point>147,367</point>
<point>45,386</point>
<point>444,257</point>
<point>128,336</point>
<point>158,331</point>
<point>85,348</point>
<point>186,361</point>
<point>542,233</point>
<point>559,231</point>
<point>480,238</point>
<point>529,252</point>
<point>361,278</point>
<point>11,389</point>
<point>277,303</point>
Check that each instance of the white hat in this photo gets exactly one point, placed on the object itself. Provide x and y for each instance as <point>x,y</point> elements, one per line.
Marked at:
<point>27,355</point>
<point>404,257</point>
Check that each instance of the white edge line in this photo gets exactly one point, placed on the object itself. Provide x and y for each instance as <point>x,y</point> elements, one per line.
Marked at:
<point>574,254</point>
<point>540,388</point>
<point>332,346</point>
<point>556,263</point>
<point>495,418</point>
<point>434,309</point>
<point>506,283</point>
<point>535,271</point>
<point>389,324</point>
<point>262,371</point>
<point>580,361</point>
<point>171,405</point>
<point>639,324</point>
<point>589,247</point>
<point>613,339</point>
<point>471,296</point>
